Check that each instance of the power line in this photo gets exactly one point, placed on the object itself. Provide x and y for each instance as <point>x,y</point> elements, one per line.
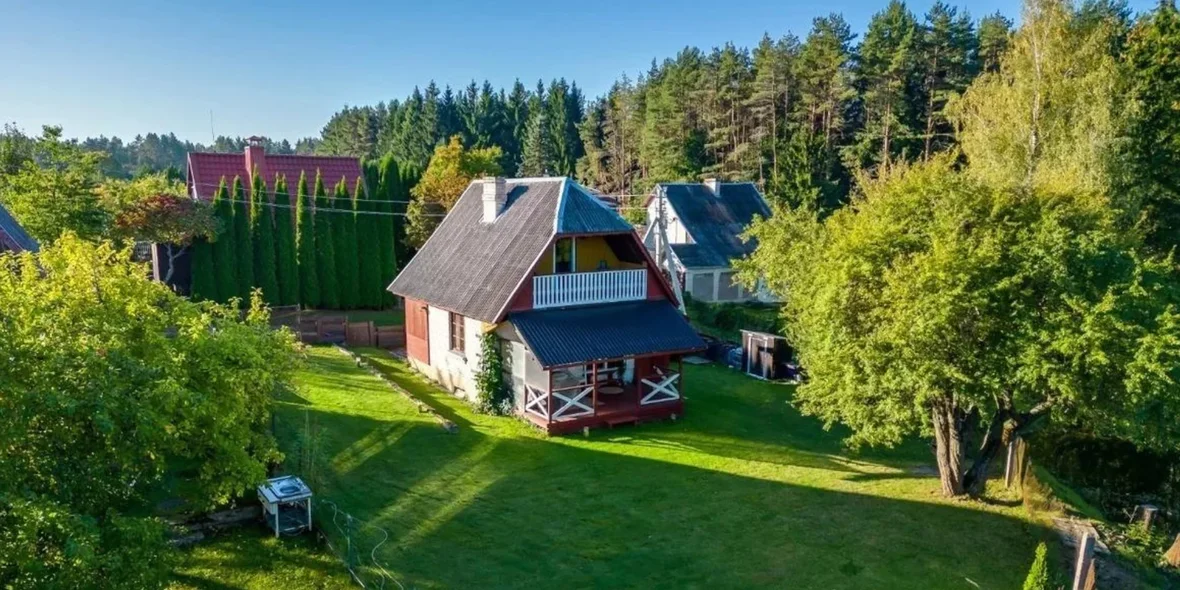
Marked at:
<point>271,191</point>
<point>330,210</point>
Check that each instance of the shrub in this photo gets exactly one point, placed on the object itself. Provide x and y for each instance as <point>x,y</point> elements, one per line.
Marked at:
<point>1038,576</point>
<point>491,395</point>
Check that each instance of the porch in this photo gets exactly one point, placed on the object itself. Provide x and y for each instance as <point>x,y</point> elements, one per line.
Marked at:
<point>610,393</point>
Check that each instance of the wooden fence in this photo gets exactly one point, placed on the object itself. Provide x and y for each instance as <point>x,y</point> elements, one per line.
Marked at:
<point>320,328</point>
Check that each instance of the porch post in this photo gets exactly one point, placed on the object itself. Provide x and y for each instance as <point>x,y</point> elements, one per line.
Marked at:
<point>594,384</point>
<point>549,398</point>
<point>680,370</point>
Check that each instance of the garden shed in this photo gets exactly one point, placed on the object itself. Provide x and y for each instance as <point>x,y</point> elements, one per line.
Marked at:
<point>765,355</point>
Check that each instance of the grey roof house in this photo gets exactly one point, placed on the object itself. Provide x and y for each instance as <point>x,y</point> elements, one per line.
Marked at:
<point>13,237</point>
<point>586,325</point>
<point>704,223</point>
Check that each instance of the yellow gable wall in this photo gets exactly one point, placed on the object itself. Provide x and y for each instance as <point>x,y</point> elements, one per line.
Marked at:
<point>589,251</point>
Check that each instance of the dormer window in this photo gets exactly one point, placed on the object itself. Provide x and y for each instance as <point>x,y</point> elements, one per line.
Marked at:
<point>564,253</point>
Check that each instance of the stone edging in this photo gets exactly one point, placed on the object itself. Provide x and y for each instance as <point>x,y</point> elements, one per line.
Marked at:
<point>422,407</point>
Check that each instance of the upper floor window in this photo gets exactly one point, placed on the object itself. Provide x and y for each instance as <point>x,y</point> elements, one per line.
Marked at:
<point>458,337</point>
<point>563,256</point>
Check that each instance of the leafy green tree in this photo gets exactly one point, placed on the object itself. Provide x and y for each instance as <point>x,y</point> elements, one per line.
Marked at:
<point>225,258</point>
<point>286,259</point>
<point>262,234</point>
<point>55,190</point>
<point>344,232</point>
<point>451,169</point>
<point>1153,131</point>
<point>243,244</point>
<point>325,246</point>
<point>305,241</point>
<point>939,301</point>
<point>172,222</point>
<point>164,381</point>
<point>1047,117</point>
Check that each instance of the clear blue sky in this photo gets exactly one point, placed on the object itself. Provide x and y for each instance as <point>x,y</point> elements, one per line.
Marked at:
<point>280,69</point>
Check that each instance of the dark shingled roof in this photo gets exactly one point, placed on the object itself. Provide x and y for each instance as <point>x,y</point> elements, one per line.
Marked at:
<point>601,332</point>
<point>15,233</point>
<point>715,224</point>
<point>473,268</point>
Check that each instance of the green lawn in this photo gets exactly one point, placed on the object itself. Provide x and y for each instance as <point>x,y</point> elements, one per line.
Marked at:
<point>741,492</point>
<point>250,559</point>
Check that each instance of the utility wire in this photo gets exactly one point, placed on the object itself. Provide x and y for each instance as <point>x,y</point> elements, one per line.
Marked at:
<point>328,209</point>
<point>271,191</point>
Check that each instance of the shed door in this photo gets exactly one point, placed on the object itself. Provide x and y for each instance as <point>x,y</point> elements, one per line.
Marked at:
<point>756,355</point>
<point>417,331</point>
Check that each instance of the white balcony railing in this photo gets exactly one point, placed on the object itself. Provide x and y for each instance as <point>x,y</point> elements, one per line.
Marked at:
<point>584,288</point>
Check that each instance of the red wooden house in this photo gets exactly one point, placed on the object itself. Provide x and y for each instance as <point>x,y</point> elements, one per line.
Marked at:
<point>585,322</point>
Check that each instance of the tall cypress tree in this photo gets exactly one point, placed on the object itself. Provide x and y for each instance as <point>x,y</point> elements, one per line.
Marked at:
<point>225,261</point>
<point>344,234</point>
<point>204,282</point>
<point>309,276</point>
<point>388,226</point>
<point>243,246</point>
<point>325,247</point>
<point>368,253</point>
<point>286,261</point>
<point>262,233</point>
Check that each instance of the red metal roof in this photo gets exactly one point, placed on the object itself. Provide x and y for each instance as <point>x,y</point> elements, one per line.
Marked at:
<point>205,170</point>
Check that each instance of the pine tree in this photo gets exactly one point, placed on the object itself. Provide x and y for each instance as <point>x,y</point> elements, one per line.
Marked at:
<point>771,98</point>
<point>539,155</point>
<point>225,260</point>
<point>243,245</point>
<point>262,233</point>
<point>325,252</point>
<point>948,42</point>
<point>825,88</point>
<point>886,73</point>
<point>995,35</point>
<point>344,236</point>
<point>309,277</point>
<point>286,259</point>
<point>204,281</point>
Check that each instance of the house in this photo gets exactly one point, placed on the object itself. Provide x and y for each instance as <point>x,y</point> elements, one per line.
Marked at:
<point>587,327</point>
<point>206,169</point>
<point>13,237</point>
<point>704,223</point>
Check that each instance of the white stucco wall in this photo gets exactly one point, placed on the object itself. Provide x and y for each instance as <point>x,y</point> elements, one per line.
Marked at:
<point>453,370</point>
<point>676,232</point>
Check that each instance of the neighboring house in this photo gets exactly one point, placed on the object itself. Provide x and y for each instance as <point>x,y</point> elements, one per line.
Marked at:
<point>206,169</point>
<point>587,326</point>
<point>704,223</point>
<point>13,237</point>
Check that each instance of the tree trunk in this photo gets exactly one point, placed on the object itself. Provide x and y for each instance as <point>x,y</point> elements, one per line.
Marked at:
<point>948,449</point>
<point>994,439</point>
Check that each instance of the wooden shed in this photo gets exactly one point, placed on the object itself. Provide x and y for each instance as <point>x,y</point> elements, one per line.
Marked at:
<point>765,355</point>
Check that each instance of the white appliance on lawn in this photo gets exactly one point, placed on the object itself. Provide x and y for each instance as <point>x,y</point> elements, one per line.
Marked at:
<point>286,505</point>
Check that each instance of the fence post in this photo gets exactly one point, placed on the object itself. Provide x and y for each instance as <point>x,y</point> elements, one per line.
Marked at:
<point>1010,465</point>
<point>1085,563</point>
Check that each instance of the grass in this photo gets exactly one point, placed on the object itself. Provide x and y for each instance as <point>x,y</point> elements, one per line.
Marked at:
<point>742,492</point>
<point>250,559</point>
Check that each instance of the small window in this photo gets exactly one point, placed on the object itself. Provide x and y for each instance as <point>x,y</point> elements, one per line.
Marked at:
<point>458,338</point>
<point>563,256</point>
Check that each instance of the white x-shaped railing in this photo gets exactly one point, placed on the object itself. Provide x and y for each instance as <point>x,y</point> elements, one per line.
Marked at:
<point>663,391</point>
<point>573,406</point>
<point>536,402</point>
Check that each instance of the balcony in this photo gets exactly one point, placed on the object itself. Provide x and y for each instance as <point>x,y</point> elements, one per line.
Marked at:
<point>586,288</point>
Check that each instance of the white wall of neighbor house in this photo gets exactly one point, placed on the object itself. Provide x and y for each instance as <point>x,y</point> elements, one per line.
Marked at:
<point>677,234</point>
<point>718,285</point>
<point>454,370</point>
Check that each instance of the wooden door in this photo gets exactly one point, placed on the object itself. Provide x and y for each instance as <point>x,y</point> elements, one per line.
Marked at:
<point>417,331</point>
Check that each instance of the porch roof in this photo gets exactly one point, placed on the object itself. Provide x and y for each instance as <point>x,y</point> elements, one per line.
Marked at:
<point>576,335</point>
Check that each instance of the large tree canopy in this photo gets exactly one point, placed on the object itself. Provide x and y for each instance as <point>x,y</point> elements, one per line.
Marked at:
<point>109,380</point>
<point>451,169</point>
<point>936,301</point>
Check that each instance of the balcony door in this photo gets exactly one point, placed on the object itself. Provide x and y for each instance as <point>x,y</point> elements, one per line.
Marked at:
<point>565,252</point>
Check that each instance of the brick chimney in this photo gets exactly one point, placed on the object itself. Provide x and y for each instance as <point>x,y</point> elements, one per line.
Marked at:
<point>255,157</point>
<point>714,185</point>
<point>495,195</point>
